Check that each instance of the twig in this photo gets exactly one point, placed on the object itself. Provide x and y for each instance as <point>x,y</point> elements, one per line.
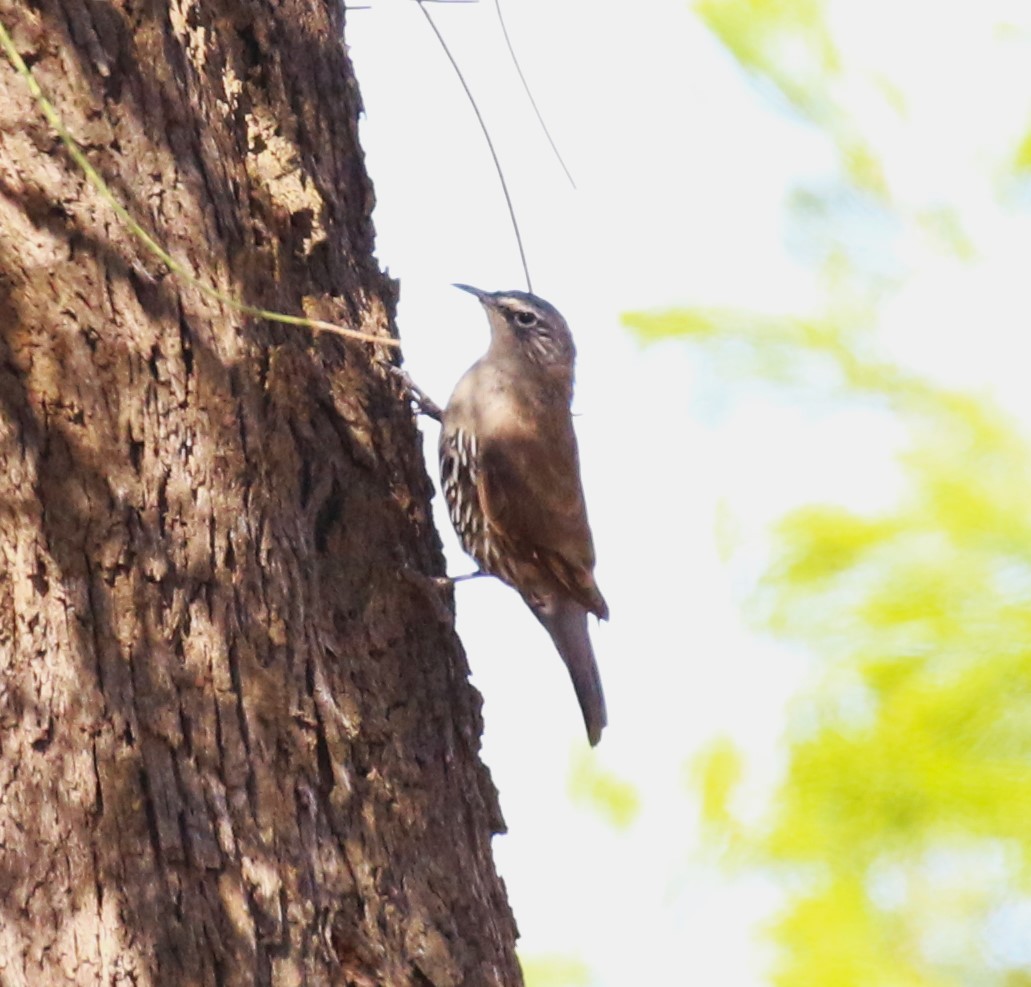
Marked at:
<point>487,137</point>
<point>529,94</point>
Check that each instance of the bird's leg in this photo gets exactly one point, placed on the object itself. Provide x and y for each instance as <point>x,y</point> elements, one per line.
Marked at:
<point>423,402</point>
<point>468,575</point>
<point>433,588</point>
<point>447,582</point>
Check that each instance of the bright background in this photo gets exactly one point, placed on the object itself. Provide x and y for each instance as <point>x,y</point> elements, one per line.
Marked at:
<point>797,189</point>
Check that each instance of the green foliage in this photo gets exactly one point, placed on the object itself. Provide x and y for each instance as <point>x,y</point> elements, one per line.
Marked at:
<point>787,44</point>
<point>760,32</point>
<point>715,774</point>
<point>1022,158</point>
<point>901,828</point>
<point>608,795</point>
<point>917,739</point>
<point>554,971</point>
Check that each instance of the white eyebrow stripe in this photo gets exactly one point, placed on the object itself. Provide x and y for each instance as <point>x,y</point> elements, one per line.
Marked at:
<point>513,312</point>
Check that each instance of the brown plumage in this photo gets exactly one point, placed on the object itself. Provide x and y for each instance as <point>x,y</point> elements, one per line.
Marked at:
<point>511,476</point>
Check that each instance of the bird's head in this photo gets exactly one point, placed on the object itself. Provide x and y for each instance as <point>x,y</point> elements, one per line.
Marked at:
<point>526,325</point>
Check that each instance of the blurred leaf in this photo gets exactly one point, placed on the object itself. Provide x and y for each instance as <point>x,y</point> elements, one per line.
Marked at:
<point>592,787</point>
<point>945,227</point>
<point>917,739</point>
<point>554,971</point>
<point>727,530</point>
<point>654,326</point>
<point>842,955</point>
<point>787,45</point>
<point>1022,158</point>
<point>819,542</point>
<point>899,829</point>
<point>715,773</point>
<point>785,42</point>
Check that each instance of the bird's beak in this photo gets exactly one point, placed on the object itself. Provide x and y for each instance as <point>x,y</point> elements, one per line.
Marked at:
<point>483,296</point>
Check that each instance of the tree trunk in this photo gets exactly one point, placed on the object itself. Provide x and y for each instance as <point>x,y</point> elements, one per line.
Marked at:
<point>237,741</point>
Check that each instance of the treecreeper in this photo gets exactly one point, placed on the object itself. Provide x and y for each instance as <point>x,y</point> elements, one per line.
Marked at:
<point>510,469</point>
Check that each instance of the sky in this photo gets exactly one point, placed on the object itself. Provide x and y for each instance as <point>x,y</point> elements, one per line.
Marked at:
<point>682,169</point>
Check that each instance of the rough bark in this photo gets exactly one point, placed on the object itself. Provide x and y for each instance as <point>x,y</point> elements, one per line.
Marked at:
<point>237,741</point>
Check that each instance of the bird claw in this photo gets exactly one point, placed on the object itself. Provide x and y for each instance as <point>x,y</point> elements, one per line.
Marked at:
<point>431,588</point>
<point>423,402</point>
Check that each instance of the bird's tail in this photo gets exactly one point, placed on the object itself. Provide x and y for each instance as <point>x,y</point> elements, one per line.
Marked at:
<point>566,622</point>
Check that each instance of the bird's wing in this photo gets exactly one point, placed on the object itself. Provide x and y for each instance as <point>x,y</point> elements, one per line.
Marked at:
<point>529,488</point>
<point>457,474</point>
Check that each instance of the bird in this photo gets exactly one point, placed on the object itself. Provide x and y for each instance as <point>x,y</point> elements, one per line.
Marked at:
<point>510,473</point>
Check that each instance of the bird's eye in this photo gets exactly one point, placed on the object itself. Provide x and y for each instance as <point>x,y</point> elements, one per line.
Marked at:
<point>526,319</point>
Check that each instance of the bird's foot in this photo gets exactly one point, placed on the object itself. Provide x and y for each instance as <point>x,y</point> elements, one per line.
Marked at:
<point>423,402</point>
<point>432,589</point>
<point>440,582</point>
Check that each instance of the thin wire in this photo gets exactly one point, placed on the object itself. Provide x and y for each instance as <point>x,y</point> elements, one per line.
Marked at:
<point>94,178</point>
<point>486,134</point>
<point>529,94</point>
